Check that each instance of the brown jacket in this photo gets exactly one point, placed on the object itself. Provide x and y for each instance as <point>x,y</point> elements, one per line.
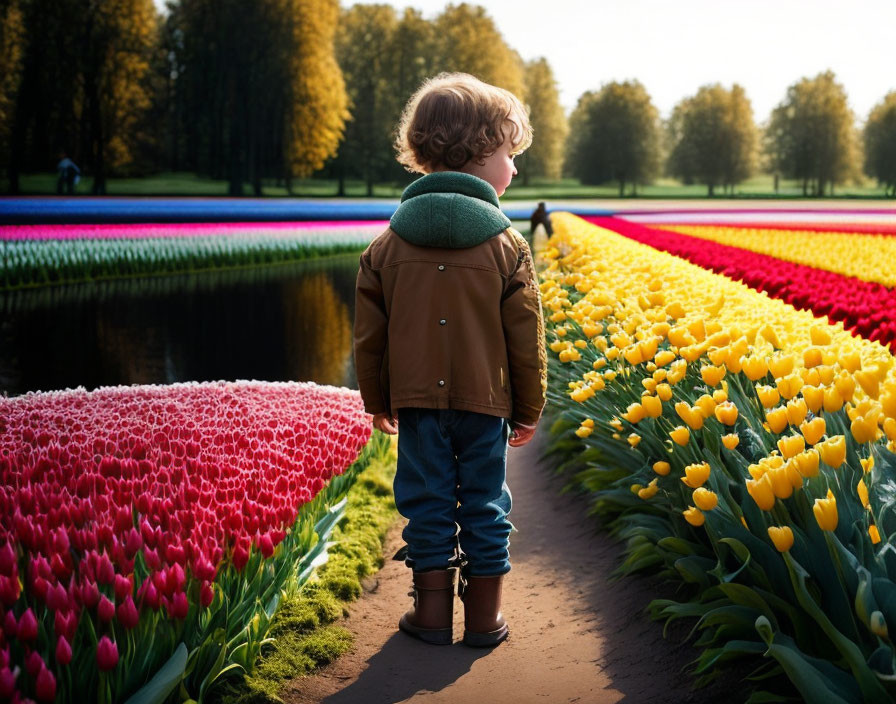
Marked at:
<point>450,327</point>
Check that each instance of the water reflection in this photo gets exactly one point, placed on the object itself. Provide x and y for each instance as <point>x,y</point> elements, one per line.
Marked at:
<point>273,323</point>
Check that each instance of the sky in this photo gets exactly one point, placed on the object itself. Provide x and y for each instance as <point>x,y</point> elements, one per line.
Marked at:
<point>674,47</point>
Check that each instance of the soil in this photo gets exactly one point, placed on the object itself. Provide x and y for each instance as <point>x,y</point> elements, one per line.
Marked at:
<point>575,634</point>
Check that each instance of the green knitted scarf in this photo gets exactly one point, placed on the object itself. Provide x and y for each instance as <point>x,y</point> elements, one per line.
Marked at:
<point>449,209</point>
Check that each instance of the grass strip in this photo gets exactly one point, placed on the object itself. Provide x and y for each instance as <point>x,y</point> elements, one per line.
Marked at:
<point>304,633</point>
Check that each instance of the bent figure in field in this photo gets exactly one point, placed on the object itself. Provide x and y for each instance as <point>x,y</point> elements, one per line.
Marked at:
<point>68,175</point>
<point>449,349</point>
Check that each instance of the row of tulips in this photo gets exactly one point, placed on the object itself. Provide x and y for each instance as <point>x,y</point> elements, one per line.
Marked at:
<point>864,256</point>
<point>739,446</point>
<point>147,532</point>
<point>57,256</point>
<point>866,307</point>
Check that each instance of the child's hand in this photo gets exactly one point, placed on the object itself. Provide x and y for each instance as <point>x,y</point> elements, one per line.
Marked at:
<point>521,435</point>
<point>385,423</point>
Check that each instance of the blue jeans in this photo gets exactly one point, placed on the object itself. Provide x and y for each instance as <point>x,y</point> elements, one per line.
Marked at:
<point>451,472</point>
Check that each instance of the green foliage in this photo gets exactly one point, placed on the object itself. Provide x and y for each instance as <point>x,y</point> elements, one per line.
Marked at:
<point>713,138</point>
<point>545,157</point>
<point>12,45</point>
<point>880,143</point>
<point>614,135</point>
<point>811,135</point>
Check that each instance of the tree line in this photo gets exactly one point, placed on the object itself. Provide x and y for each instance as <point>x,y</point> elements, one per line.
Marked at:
<point>251,92</point>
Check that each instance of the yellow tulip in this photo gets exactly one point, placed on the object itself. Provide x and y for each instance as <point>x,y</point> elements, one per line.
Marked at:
<point>590,329</point>
<point>833,401</point>
<point>633,354</point>
<point>664,391</point>
<point>825,511</point>
<point>720,395</point>
<point>712,376</point>
<point>789,386</point>
<point>782,537</point>
<point>754,367</point>
<point>616,424</point>
<point>697,328</point>
<point>813,430</point>
<point>810,377</point>
<point>581,344</point>
<point>862,491</point>
<point>812,357</point>
<point>768,332</point>
<point>730,440</point>
<point>791,445</point>
<point>692,417</point>
<point>820,335</point>
<point>558,317</point>
<point>726,413</point>
<point>863,430</point>
<point>662,468</point>
<point>652,406</point>
<point>620,340</point>
<point>869,382</point>
<point>851,361</point>
<point>677,370</point>
<point>833,451</point>
<point>867,464</point>
<point>694,516</point>
<point>888,402</point>
<point>634,413</point>
<point>796,411</point>
<point>846,386</point>
<point>696,474</point>
<point>813,396</point>
<point>777,419</point>
<point>704,499</point>
<point>780,365</point>
<point>612,353</point>
<point>599,364</point>
<point>706,405</point>
<point>581,395</point>
<point>664,357</point>
<point>762,492</point>
<point>570,355</point>
<point>890,429</point>
<point>780,481</point>
<point>680,435</point>
<point>826,374</point>
<point>634,439</point>
<point>874,534</point>
<point>807,463</point>
<point>768,396</point>
<point>659,375</point>
<point>648,491</point>
<point>584,432</point>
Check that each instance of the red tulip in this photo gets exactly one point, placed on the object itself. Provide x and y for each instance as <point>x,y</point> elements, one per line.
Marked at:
<point>27,631</point>
<point>7,682</point>
<point>63,651</point>
<point>10,625</point>
<point>124,586</point>
<point>105,610</point>
<point>45,687</point>
<point>105,572</point>
<point>240,557</point>
<point>266,545</point>
<point>127,613</point>
<point>34,663</point>
<point>179,606</point>
<point>9,590</point>
<point>8,561</point>
<point>206,594</point>
<point>106,654</point>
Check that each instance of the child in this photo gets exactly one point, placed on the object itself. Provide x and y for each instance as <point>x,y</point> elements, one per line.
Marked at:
<point>449,336</point>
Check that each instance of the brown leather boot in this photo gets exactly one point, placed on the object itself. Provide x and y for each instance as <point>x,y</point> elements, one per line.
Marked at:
<point>484,626</point>
<point>432,616</point>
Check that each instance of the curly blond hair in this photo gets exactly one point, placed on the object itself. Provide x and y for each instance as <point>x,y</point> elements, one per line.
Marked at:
<point>454,118</point>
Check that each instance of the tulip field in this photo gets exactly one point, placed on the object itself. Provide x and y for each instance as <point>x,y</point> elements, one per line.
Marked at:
<point>741,446</point>
<point>41,255</point>
<point>148,531</point>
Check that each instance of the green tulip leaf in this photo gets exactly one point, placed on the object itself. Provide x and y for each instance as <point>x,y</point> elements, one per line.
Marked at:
<point>164,681</point>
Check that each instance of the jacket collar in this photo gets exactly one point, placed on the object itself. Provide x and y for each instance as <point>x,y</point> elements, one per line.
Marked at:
<point>449,209</point>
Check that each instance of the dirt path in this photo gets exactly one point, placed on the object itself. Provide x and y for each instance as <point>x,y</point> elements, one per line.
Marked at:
<point>574,635</point>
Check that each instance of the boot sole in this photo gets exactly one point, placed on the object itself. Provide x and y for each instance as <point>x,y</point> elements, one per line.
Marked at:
<point>486,640</point>
<point>433,636</point>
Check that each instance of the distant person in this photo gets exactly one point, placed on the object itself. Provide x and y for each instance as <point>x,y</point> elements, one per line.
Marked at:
<point>541,217</point>
<point>68,175</point>
<point>449,338</point>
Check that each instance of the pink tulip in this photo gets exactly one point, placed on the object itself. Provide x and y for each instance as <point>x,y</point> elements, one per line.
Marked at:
<point>105,610</point>
<point>206,594</point>
<point>63,651</point>
<point>180,606</point>
<point>8,560</point>
<point>106,654</point>
<point>27,632</point>
<point>45,687</point>
<point>124,586</point>
<point>7,683</point>
<point>10,625</point>
<point>127,613</point>
<point>34,663</point>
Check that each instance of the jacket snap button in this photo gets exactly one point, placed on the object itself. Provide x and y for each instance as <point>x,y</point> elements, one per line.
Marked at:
<point>441,267</point>
<point>442,321</point>
<point>441,382</point>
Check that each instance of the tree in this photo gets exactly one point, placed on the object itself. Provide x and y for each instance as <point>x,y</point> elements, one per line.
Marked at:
<point>713,138</point>
<point>811,135</point>
<point>12,41</point>
<point>363,43</point>
<point>880,143</point>
<point>467,40</point>
<point>614,136</point>
<point>544,158</point>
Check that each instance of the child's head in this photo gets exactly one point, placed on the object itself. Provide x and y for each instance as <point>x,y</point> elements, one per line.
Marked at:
<point>456,122</point>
